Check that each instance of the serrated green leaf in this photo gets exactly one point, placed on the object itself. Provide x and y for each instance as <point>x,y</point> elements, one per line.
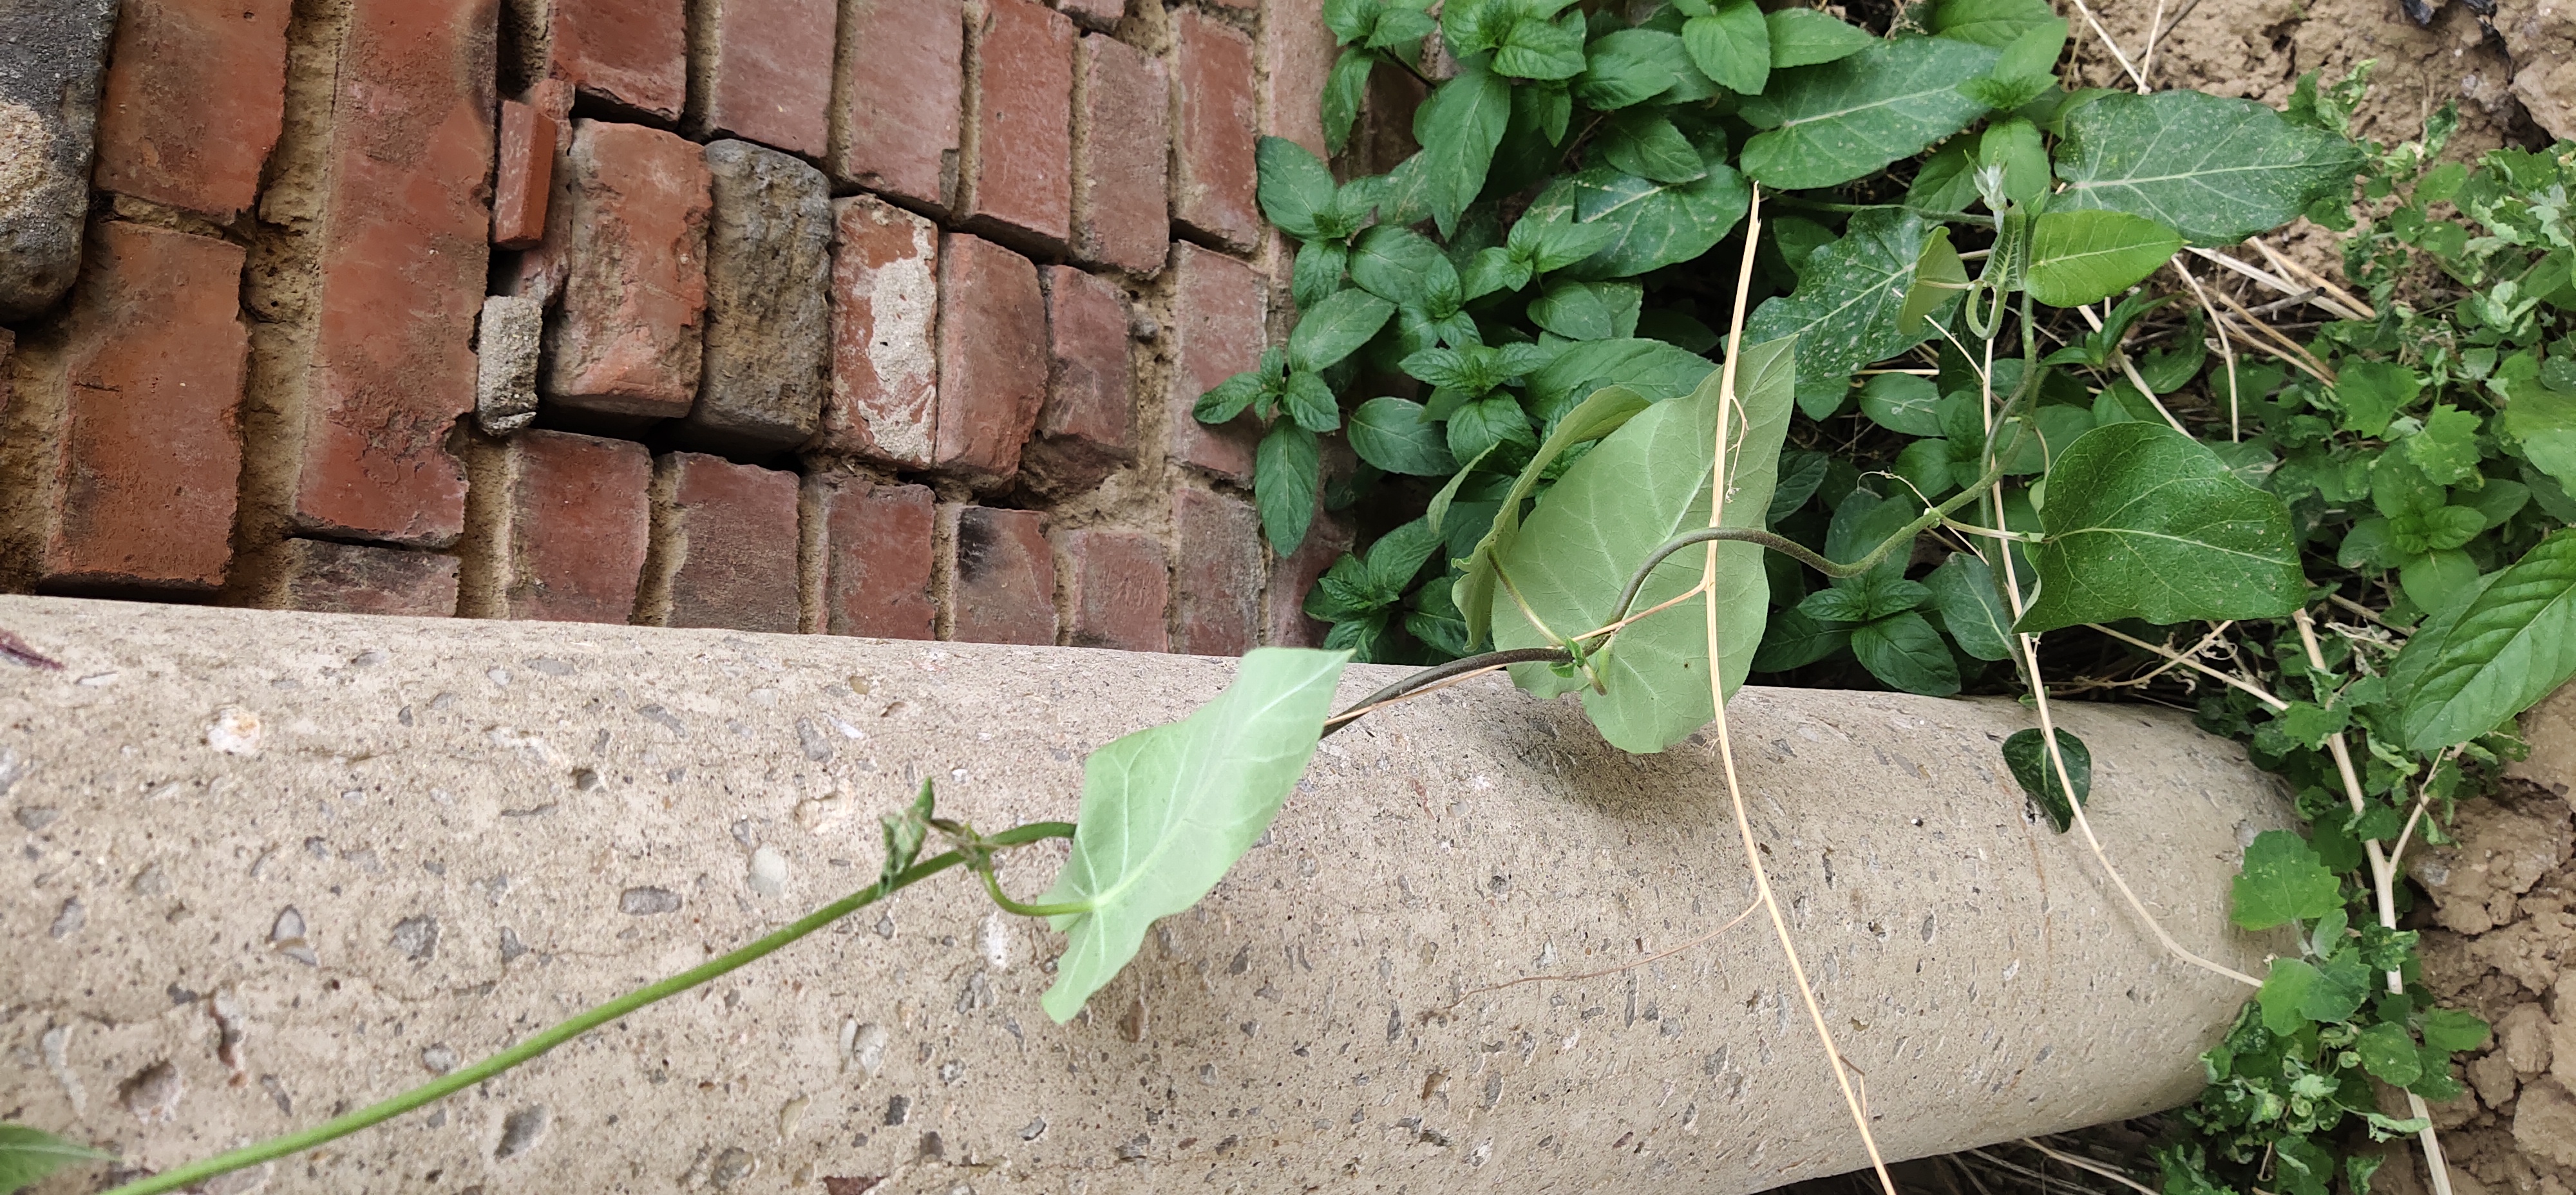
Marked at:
<point>1294,186</point>
<point>2033,53</point>
<point>1646,144</point>
<point>1905,652</point>
<point>2447,447</point>
<point>1229,398</point>
<point>1636,489</point>
<point>1549,239</point>
<point>1310,402</point>
<point>1535,48</point>
<point>1166,811</point>
<point>1651,224</point>
<point>2013,146</point>
<point>2285,993</point>
<point>1336,328</point>
<point>2540,420</point>
<point>1654,369</point>
<point>1393,434</point>
<point>1399,265</point>
<point>2389,1054</point>
<point>1400,554</point>
<point>2026,754</point>
<point>1458,128</point>
<point>2144,522</point>
<point>1806,37</point>
<point>1848,308</point>
<point>1732,45</point>
<point>1317,272</point>
<point>1847,119</point>
<point>2282,882</point>
<point>2084,257</point>
<point>2214,168</point>
<point>1619,74</point>
<point>1345,89</point>
<point>1989,22</point>
<point>1588,310</point>
<point>1947,181</point>
<point>1972,607</point>
<point>2453,1030</point>
<point>2511,642</point>
<point>1287,473</point>
<point>904,834</point>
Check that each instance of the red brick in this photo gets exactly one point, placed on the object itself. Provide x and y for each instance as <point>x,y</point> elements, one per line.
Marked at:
<point>1217,332</point>
<point>631,53</point>
<point>725,541</point>
<point>1326,540</point>
<point>150,369</point>
<point>1297,52</point>
<point>524,176</point>
<point>630,213</point>
<point>1214,131</point>
<point>885,334</point>
<point>761,70</point>
<point>1117,584</point>
<point>1100,15</point>
<point>579,518</point>
<point>1019,181</point>
<point>1001,577</point>
<point>878,553</point>
<point>897,118</point>
<point>404,244</point>
<point>1217,591</point>
<point>1087,429</point>
<point>992,359</point>
<point>1122,134</point>
<point>350,579</point>
<point>196,91</point>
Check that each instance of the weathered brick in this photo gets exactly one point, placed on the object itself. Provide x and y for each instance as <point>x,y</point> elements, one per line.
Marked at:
<point>507,341</point>
<point>1117,585</point>
<point>52,54</point>
<point>878,554</point>
<point>575,527</point>
<point>1087,429</point>
<point>196,92</point>
<point>403,246</point>
<point>1001,577</point>
<point>898,114</point>
<point>631,53</point>
<point>1217,591</point>
<point>1097,15</point>
<point>992,359</point>
<point>761,70</point>
<point>350,579</point>
<point>1217,329</point>
<point>149,371</point>
<point>1297,52</point>
<point>769,309</point>
<point>1326,540</point>
<point>1214,131</point>
<point>724,545</point>
<point>1019,183</point>
<point>630,213</point>
<point>1122,135</point>
<point>523,178</point>
<point>885,334</point>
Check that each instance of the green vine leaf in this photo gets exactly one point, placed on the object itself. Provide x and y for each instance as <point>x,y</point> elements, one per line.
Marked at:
<point>2026,753</point>
<point>2216,169</point>
<point>2144,522</point>
<point>2504,643</point>
<point>2087,256</point>
<point>1806,37</point>
<point>1848,309</point>
<point>1972,607</point>
<point>2282,882</point>
<point>1652,368</point>
<point>28,1155</point>
<point>1646,483</point>
<point>1840,121</point>
<point>1651,224</point>
<point>1609,409</point>
<point>1167,810</point>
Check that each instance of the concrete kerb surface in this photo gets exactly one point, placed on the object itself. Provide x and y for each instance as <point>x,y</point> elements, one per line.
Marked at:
<point>273,866</point>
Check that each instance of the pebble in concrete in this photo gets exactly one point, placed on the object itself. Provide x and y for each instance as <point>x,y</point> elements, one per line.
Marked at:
<point>769,314</point>
<point>53,56</point>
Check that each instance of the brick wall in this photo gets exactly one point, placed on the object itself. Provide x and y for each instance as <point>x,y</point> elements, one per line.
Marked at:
<point>866,317</point>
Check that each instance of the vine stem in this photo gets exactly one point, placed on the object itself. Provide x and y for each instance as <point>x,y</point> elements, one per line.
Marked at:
<point>2028,646</point>
<point>2383,884</point>
<point>581,1023</point>
<point>1717,703</point>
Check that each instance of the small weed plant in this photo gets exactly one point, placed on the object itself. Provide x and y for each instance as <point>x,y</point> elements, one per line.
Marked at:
<point>1956,408</point>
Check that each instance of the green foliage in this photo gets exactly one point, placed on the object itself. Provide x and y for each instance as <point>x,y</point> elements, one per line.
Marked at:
<point>1827,125</point>
<point>27,1156</point>
<point>2216,169</point>
<point>1167,810</point>
<point>2511,643</point>
<point>2088,256</point>
<point>2026,753</point>
<point>2283,881</point>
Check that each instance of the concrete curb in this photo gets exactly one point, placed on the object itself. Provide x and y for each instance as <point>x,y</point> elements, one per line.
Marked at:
<point>274,865</point>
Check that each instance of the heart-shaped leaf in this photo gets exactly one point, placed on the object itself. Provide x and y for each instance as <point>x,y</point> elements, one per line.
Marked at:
<point>2145,522</point>
<point>1840,121</point>
<point>2214,168</point>
<point>2084,257</point>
